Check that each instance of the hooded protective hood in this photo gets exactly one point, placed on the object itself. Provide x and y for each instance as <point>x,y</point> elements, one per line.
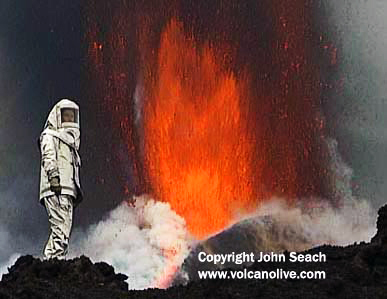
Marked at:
<point>69,132</point>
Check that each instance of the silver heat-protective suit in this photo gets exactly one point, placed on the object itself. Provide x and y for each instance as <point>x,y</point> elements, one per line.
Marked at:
<point>60,189</point>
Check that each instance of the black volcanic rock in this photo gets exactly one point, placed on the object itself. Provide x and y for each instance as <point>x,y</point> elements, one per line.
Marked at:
<point>265,233</point>
<point>32,278</point>
<point>355,271</point>
<point>381,224</point>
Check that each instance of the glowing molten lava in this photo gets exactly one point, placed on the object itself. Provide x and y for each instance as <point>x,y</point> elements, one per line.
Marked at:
<point>198,152</point>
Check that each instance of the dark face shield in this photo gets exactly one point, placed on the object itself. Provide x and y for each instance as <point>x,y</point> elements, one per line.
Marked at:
<point>69,116</point>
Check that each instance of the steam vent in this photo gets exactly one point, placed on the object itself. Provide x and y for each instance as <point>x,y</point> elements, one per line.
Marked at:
<point>354,271</point>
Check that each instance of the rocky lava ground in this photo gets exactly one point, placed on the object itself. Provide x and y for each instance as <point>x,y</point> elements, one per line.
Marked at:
<point>355,271</point>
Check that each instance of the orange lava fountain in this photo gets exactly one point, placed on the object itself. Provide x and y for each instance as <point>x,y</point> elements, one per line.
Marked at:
<point>198,150</point>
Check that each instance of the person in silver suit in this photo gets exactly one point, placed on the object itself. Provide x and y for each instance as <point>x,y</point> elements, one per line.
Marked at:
<point>60,189</point>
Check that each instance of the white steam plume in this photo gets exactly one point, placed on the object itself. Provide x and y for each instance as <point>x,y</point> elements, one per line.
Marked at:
<point>148,242</point>
<point>6,250</point>
<point>353,221</point>
<point>4,267</point>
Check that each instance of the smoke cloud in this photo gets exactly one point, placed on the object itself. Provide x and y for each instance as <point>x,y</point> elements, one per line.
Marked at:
<point>354,222</point>
<point>4,267</point>
<point>359,113</point>
<point>316,221</point>
<point>148,242</point>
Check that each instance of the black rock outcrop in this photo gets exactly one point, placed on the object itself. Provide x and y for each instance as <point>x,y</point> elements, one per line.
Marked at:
<point>76,278</point>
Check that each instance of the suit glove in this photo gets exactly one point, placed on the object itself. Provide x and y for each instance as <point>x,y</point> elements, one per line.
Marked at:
<point>55,186</point>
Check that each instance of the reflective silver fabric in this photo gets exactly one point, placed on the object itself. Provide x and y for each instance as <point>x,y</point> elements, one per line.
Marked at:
<point>59,144</point>
<point>60,215</point>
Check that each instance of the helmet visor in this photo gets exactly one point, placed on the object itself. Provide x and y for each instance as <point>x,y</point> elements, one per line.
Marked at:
<point>69,116</point>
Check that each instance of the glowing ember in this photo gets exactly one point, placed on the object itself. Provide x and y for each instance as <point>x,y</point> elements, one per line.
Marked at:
<point>198,152</point>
